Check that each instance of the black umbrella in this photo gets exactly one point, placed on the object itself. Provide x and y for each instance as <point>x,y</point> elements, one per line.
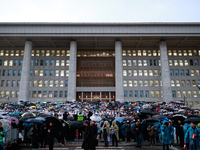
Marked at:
<point>169,117</point>
<point>178,117</point>
<point>193,116</point>
<point>170,109</point>
<point>152,119</point>
<point>161,117</point>
<point>192,119</point>
<point>34,121</point>
<point>70,118</point>
<point>127,118</point>
<point>148,112</point>
<point>76,124</point>
<point>23,119</point>
<point>136,117</point>
<point>56,122</point>
<point>45,115</point>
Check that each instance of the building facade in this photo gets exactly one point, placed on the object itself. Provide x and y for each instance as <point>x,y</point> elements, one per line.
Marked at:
<point>100,61</point>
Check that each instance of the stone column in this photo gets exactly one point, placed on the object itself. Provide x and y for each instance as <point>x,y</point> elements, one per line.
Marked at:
<point>119,87</point>
<point>166,81</point>
<point>25,76</point>
<point>72,71</point>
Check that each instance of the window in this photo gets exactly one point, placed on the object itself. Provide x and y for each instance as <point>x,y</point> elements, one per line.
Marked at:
<point>130,83</point>
<point>129,52</point>
<point>60,93</point>
<point>46,72</point>
<point>189,52</point>
<point>183,82</point>
<point>8,83</point>
<point>61,83</point>
<point>50,94</point>
<point>195,53</point>
<point>182,72</point>
<point>7,53</point>
<point>151,83</point>
<point>9,72</point>
<point>171,72</point>
<point>36,62</point>
<point>170,63</point>
<point>5,63</point>
<point>193,82</point>
<point>196,62</point>
<point>152,93</point>
<point>67,72</point>
<point>40,83</point>
<point>155,62</point>
<point>186,62</point>
<point>57,73</point>
<point>173,93</point>
<point>56,83</point>
<point>35,83</point>
<point>188,83</point>
<point>139,53</point>
<point>53,53</point>
<point>181,62</point>
<point>150,62</point>
<point>154,53</point>
<point>169,53</point>
<point>4,72</point>
<point>51,72</point>
<point>41,62</point>
<point>55,93</point>
<point>62,63</point>
<point>45,83</point>
<point>44,93</point>
<point>135,72</point>
<point>144,53</point>
<point>36,73</point>
<point>1,52</point>
<point>150,72</point>
<point>58,53</point>
<point>57,62</point>
<point>178,93</point>
<point>140,72</point>
<point>177,72</point>
<point>10,63</point>
<point>144,62</point>
<point>195,93</point>
<point>13,83</point>
<point>145,73</point>
<point>141,83</point>
<point>149,52</point>
<point>67,62</point>
<point>62,74</point>
<point>48,53</point>
<point>41,72</point>
<point>66,83</point>
<point>172,83</point>
<point>192,72</point>
<point>12,94</point>
<point>178,83</point>
<point>124,62</point>
<point>157,93</point>
<point>187,72</point>
<point>189,94</point>
<point>66,93</point>
<point>51,83</point>
<point>191,62</point>
<point>139,62</point>
<point>174,53</point>
<point>125,83</point>
<point>184,53</point>
<point>34,94</point>
<point>197,73</point>
<point>146,93</point>
<point>124,53</point>
<point>156,83</point>
<point>130,93</point>
<point>19,72</point>
<point>134,52</point>
<point>141,94</point>
<point>129,73</point>
<point>175,62</point>
<point>124,73</point>
<point>52,63</point>
<point>31,72</point>
<point>63,53</point>
<point>46,62</point>
<point>179,53</point>
<point>18,83</point>
<point>125,94</point>
<point>184,94</point>
<point>136,93</point>
<point>32,61</point>
<point>155,72</point>
<point>135,83</point>
<point>146,83</point>
<point>0,62</point>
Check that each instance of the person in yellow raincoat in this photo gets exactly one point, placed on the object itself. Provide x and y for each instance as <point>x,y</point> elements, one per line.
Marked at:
<point>114,133</point>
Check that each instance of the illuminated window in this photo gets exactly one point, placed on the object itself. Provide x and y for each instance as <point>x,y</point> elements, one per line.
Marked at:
<point>45,83</point>
<point>37,53</point>
<point>129,73</point>
<point>7,53</point>
<point>175,62</point>
<point>40,83</point>
<point>58,53</point>
<point>134,52</point>
<point>150,72</point>
<point>160,82</point>
<point>145,62</point>
<point>155,72</point>
<point>178,93</point>
<point>190,52</point>
<point>56,83</point>
<point>35,83</point>
<point>41,72</point>
<point>62,74</point>
<point>62,63</point>
<point>156,83</point>
<point>32,53</point>
<point>178,83</point>
<point>189,94</point>
<point>47,52</point>
<point>145,73</point>
<point>124,73</point>
<point>146,83</point>
<point>42,52</point>
<point>157,93</point>
<point>130,83</point>
<point>195,93</point>
<point>151,83</point>
<point>63,53</point>
<point>5,63</point>
<point>184,93</point>
<point>174,53</point>
<point>186,62</point>
<point>181,62</point>
<point>67,62</point>
<point>61,83</point>
<point>36,73</point>
<point>51,83</point>
<point>68,52</point>
<point>154,53</point>
<point>195,52</point>
<point>57,62</point>
<point>144,53</point>
<point>139,53</point>
<point>140,72</point>
<point>183,82</point>
<point>193,82</point>
<point>10,62</point>
<point>197,73</point>
<point>184,53</point>
<point>57,73</point>
<point>139,62</point>
<point>17,53</point>
<point>192,72</point>
<point>52,52</point>
<point>135,72</point>
<point>135,83</point>
<point>188,83</point>
<point>124,62</point>
<point>125,83</point>
<point>152,93</point>
<point>67,72</point>
<point>1,52</point>
<point>179,53</point>
<point>149,52</point>
<point>129,62</point>
<point>12,53</point>
<point>169,53</point>
<point>158,52</point>
<point>134,62</point>
<point>172,83</point>
<point>129,52</point>
<point>124,53</point>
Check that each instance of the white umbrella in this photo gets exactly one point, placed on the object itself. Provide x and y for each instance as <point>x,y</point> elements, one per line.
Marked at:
<point>96,118</point>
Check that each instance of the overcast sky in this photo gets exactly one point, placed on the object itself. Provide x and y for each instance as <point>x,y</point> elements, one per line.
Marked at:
<point>99,10</point>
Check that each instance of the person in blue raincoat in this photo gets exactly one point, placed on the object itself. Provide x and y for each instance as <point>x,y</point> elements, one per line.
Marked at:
<point>157,132</point>
<point>192,136</point>
<point>2,135</point>
<point>165,134</point>
<point>123,131</point>
<point>185,128</point>
<point>171,130</point>
<point>133,131</point>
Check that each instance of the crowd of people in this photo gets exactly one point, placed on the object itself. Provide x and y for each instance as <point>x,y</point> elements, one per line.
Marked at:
<point>94,122</point>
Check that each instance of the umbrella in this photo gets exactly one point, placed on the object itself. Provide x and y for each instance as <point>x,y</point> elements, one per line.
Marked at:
<point>57,123</point>
<point>45,115</point>
<point>148,112</point>
<point>13,118</point>
<point>33,107</point>
<point>96,118</point>
<point>40,118</point>
<point>119,119</point>
<point>127,118</point>
<point>70,118</point>
<point>76,124</point>
<point>161,117</point>
<point>193,116</point>
<point>34,121</point>
<point>23,119</point>
<point>178,117</point>
<point>192,119</point>
<point>28,114</point>
<point>6,124</point>
<point>152,119</point>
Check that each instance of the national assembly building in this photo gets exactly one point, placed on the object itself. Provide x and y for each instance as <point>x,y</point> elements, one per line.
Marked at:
<point>151,62</point>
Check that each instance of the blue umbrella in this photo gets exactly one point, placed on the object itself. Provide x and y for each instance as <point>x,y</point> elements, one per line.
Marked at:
<point>119,119</point>
<point>34,121</point>
<point>40,118</point>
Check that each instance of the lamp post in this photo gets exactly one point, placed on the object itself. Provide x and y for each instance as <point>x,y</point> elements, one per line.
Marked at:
<point>184,97</point>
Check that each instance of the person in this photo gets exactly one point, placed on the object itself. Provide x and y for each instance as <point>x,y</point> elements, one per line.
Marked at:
<point>165,135</point>
<point>145,133</point>
<point>44,135</point>
<point>27,129</point>
<point>138,133</point>
<point>2,135</point>
<point>88,141</point>
<point>36,136</point>
<point>180,133</point>
<point>50,135</point>
<point>171,130</point>
<point>185,128</point>
<point>128,131</point>
<point>157,126</point>
<point>123,131</point>
<point>192,135</point>
<point>114,133</point>
<point>105,132</point>
<point>151,131</point>
<point>94,132</point>
<point>13,124</point>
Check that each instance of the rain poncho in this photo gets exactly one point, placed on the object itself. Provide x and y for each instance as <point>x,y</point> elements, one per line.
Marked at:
<point>158,126</point>
<point>165,134</point>
<point>189,137</point>
<point>171,130</point>
<point>123,130</point>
